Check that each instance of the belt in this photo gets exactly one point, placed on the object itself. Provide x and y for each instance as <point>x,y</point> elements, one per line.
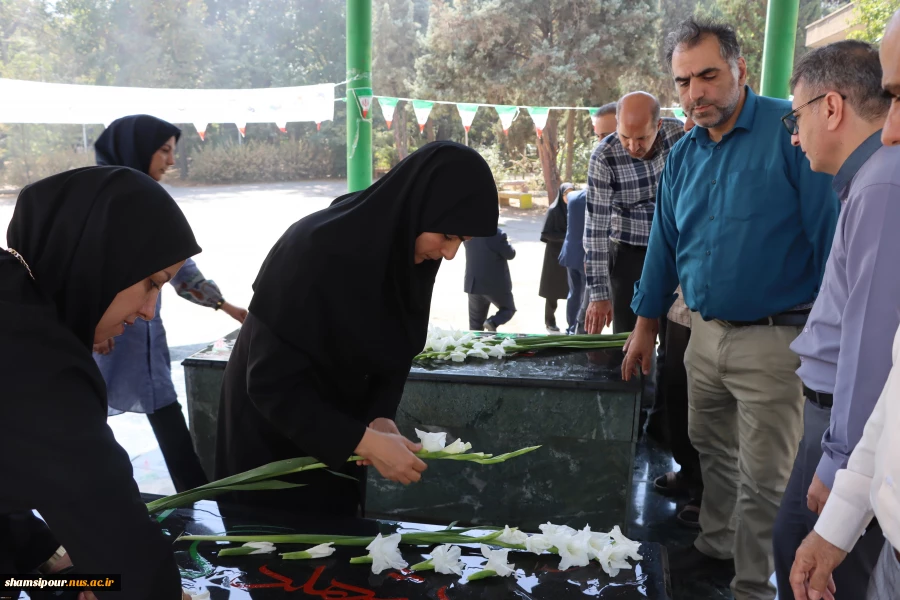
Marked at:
<point>818,398</point>
<point>786,319</point>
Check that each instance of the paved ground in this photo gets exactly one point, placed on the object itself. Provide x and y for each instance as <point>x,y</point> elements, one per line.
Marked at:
<point>236,226</point>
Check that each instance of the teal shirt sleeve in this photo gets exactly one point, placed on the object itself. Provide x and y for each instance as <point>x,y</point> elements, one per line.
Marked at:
<point>655,292</point>
<point>819,210</point>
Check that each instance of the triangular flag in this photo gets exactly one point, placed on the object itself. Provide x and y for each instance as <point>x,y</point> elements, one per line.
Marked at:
<point>422,109</point>
<point>388,108</point>
<point>242,127</point>
<point>679,114</point>
<point>539,116</point>
<point>282,126</point>
<point>201,130</point>
<point>467,114</point>
<point>507,115</point>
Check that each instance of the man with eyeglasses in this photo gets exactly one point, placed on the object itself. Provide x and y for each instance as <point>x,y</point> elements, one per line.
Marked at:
<point>845,348</point>
<point>745,226</point>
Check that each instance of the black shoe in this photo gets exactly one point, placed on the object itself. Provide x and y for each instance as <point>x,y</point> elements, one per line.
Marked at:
<point>552,329</point>
<point>690,562</point>
<point>488,326</point>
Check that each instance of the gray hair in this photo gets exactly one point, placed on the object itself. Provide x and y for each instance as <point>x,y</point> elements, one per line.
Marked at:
<point>606,109</point>
<point>691,33</point>
<point>849,67</point>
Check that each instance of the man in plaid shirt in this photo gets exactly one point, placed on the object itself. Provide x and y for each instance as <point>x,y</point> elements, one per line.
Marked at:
<point>621,196</point>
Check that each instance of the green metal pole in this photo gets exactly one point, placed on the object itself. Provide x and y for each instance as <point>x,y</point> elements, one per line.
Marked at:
<point>359,74</point>
<point>778,48</point>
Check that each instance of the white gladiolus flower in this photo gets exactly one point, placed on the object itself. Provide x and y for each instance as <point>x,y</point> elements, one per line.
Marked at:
<point>465,339</point>
<point>549,529</point>
<point>458,447</point>
<point>538,544</point>
<point>512,536</point>
<point>385,553</point>
<point>497,561</point>
<point>446,559</point>
<point>477,353</point>
<point>497,351</point>
<point>624,546</point>
<point>458,356</point>
<point>432,442</point>
<point>322,550</point>
<point>508,342</point>
<point>261,547</point>
<point>573,549</point>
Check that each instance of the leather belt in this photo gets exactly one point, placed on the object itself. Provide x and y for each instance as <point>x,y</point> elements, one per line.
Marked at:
<point>786,319</point>
<point>818,398</point>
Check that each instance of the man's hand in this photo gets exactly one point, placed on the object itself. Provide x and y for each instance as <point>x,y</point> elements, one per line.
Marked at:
<point>105,347</point>
<point>641,348</point>
<point>817,495</point>
<point>814,562</point>
<point>599,315</point>
<point>392,455</point>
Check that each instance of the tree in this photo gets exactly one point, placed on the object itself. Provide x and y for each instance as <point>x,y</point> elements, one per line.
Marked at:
<point>534,53</point>
<point>395,47</point>
<point>873,15</point>
<point>749,19</point>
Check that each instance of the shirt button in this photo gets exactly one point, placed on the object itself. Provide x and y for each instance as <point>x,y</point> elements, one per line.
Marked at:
<point>714,182</point>
<point>806,330</point>
<point>711,217</point>
<point>718,146</point>
<point>707,252</point>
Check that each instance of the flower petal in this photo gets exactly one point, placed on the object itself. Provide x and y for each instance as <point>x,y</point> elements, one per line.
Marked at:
<point>432,442</point>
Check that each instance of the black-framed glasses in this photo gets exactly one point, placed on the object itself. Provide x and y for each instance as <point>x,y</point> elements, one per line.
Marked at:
<point>790,120</point>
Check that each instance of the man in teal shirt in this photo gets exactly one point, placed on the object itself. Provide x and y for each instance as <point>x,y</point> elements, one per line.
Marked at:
<point>745,226</point>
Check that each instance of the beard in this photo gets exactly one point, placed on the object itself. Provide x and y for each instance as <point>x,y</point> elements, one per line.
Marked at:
<point>716,113</point>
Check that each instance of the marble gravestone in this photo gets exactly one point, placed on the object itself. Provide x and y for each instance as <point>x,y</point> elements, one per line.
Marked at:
<point>572,403</point>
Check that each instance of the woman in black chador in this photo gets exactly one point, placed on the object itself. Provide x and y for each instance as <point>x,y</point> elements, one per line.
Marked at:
<point>88,251</point>
<point>554,277</point>
<point>340,308</point>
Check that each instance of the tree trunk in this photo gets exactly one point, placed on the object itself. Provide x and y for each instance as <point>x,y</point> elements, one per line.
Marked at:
<point>548,150</point>
<point>429,131</point>
<point>401,136</point>
<point>570,143</point>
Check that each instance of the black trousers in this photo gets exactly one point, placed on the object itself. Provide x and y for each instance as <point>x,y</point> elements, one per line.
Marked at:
<point>480,305</point>
<point>626,262</point>
<point>177,447</point>
<point>795,521</point>
<point>550,306</point>
<point>674,392</point>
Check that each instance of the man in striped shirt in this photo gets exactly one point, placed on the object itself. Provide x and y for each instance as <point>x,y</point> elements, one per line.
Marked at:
<point>621,196</point>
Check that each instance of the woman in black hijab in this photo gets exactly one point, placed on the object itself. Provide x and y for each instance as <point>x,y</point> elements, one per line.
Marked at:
<point>341,307</point>
<point>137,367</point>
<point>88,252</point>
<point>554,278</point>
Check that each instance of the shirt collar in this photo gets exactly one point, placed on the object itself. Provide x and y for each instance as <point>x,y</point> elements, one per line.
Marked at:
<point>744,121</point>
<point>855,161</point>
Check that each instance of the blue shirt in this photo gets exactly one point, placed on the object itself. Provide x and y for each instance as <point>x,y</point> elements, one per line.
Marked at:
<point>743,224</point>
<point>572,254</point>
<point>845,348</point>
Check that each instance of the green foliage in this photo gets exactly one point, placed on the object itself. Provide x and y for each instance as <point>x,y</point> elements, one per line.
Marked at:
<point>873,15</point>
<point>256,161</point>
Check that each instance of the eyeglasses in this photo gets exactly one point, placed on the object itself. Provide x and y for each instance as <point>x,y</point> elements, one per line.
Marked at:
<point>790,120</point>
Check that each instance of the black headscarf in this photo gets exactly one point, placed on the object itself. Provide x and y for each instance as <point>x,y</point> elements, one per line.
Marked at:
<point>341,284</point>
<point>132,141</point>
<point>557,217</point>
<point>90,233</point>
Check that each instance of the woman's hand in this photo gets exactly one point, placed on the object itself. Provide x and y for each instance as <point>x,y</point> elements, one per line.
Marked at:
<point>235,312</point>
<point>381,425</point>
<point>392,455</point>
<point>105,347</point>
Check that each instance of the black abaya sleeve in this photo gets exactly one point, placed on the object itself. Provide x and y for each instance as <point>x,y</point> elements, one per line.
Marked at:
<point>284,387</point>
<point>386,390</point>
<point>68,466</point>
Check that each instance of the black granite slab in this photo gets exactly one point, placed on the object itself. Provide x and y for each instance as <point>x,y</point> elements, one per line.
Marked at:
<point>269,576</point>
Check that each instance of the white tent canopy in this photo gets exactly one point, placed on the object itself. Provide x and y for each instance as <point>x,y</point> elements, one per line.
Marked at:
<point>37,102</point>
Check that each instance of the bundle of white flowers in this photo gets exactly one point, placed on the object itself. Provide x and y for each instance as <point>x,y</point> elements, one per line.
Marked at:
<point>457,346</point>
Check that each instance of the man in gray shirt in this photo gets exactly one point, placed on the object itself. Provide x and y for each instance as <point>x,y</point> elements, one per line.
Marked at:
<point>845,348</point>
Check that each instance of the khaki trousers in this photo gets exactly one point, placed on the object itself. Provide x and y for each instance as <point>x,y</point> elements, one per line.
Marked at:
<point>745,420</point>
